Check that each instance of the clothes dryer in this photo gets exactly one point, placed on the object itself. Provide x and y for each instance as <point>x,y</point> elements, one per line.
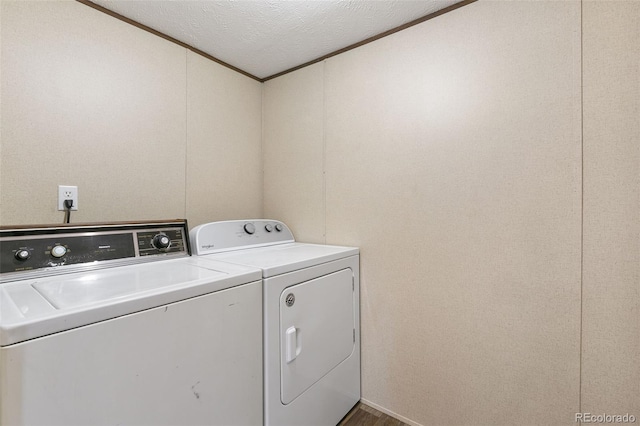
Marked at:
<point>311,297</point>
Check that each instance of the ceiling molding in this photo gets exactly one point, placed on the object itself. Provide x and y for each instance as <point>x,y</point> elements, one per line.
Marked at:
<point>374,38</point>
<point>166,37</point>
<point>262,80</point>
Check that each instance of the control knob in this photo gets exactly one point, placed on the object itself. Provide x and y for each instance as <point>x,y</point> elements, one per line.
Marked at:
<point>58,251</point>
<point>249,228</point>
<point>268,227</point>
<point>279,227</point>
<point>161,241</point>
<point>22,255</point>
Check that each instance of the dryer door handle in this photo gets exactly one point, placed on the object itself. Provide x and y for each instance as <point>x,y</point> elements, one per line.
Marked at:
<point>292,344</point>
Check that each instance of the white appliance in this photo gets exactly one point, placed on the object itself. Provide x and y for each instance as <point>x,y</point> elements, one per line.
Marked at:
<point>311,317</point>
<point>118,324</point>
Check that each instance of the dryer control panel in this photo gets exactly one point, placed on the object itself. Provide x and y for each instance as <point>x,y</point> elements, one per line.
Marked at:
<point>47,248</point>
<point>216,237</point>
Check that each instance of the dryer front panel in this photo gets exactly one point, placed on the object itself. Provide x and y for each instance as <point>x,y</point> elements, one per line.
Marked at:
<point>317,330</point>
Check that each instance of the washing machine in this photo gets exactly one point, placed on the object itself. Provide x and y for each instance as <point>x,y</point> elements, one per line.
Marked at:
<point>118,324</point>
<point>311,299</point>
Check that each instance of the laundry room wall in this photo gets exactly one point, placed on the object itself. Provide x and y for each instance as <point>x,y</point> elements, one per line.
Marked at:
<point>224,143</point>
<point>451,154</point>
<point>611,279</point>
<point>143,127</point>
<point>293,134</point>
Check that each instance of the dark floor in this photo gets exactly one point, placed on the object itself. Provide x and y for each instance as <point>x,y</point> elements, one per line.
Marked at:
<point>363,415</point>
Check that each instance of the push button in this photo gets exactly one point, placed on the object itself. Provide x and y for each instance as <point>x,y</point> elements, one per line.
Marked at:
<point>58,251</point>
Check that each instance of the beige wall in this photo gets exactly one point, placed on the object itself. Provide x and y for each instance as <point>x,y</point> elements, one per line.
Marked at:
<point>452,156</point>
<point>293,138</point>
<point>224,156</point>
<point>611,284</point>
<point>453,160</point>
<point>128,117</point>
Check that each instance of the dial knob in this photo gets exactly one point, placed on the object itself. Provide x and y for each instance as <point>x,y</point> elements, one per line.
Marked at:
<point>268,227</point>
<point>278,227</point>
<point>22,254</point>
<point>58,251</point>
<point>249,228</point>
<point>161,242</point>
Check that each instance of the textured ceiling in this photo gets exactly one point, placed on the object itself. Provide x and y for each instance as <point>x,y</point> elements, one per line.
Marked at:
<point>266,37</point>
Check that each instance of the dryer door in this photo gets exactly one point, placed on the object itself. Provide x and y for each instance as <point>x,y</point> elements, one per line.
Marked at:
<point>317,326</point>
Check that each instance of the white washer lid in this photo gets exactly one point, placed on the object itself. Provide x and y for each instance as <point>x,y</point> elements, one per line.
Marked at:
<point>283,258</point>
<point>38,307</point>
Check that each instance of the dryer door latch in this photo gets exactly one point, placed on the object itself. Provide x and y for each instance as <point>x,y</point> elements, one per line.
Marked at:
<point>292,343</point>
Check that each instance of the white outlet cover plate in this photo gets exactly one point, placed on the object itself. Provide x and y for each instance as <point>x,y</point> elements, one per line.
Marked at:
<point>66,192</point>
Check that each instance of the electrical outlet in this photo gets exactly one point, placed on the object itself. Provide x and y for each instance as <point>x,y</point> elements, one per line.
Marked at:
<point>67,193</point>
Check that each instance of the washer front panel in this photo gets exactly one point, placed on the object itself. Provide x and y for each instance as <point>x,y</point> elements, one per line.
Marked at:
<point>194,362</point>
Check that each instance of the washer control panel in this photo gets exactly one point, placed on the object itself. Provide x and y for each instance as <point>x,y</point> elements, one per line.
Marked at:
<point>40,248</point>
<point>229,235</point>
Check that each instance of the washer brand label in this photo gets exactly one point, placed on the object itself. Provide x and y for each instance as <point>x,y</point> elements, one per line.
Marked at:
<point>208,246</point>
